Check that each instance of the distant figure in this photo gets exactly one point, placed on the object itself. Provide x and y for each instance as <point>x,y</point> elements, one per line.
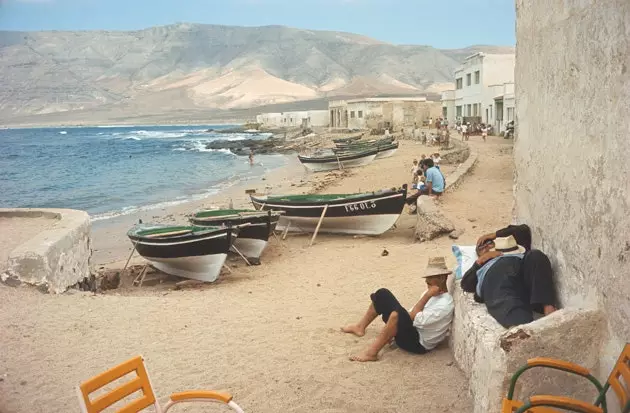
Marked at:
<point>430,122</point>
<point>464,132</point>
<point>251,157</point>
<point>484,132</point>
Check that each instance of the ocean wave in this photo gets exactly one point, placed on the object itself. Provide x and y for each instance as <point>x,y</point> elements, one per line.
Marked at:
<point>160,205</point>
<point>200,146</point>
<point>63,132</point>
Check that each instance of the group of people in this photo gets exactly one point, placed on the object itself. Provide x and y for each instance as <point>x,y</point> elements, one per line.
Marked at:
<point>427,178</point>
<point>466,129</point>
<point>439,123</point>
<point>513,280</point>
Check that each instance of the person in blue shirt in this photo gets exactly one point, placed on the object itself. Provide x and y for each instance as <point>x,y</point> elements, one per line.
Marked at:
<point>434,184</point>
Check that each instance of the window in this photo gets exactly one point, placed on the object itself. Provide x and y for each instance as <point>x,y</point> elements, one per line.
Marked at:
<point>360,113</point>
<point>444,112</point>
<point>458,111</point>
<point>510,114</point>
<point>459,83</point>
<point>352,114</point>
<point>477,77</point>
<point>490,112</point>
<point>468,109</point>
<point>476,109</point>
<point>468,76</point>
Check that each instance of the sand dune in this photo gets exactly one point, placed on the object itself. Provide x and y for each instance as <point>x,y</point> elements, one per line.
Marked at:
<point>248,87</point>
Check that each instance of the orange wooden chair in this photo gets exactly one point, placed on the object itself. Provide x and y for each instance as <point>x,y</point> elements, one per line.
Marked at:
<point>139,383</point>
<point>551,404</point>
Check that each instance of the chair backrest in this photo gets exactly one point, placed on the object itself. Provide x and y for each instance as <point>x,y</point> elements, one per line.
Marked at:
<point>621,370</point>
<point>138,383</point>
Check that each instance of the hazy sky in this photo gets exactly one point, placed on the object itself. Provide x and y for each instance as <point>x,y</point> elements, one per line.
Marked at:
<point>439,23</point>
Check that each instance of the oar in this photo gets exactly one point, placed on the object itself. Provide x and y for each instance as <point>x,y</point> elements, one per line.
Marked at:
<point>130,255</point>
<point>321,219</point>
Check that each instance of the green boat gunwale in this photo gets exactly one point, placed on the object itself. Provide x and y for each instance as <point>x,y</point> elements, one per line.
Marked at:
<point>191,230</point>
<point>305,199</point>
<point>219,214</point>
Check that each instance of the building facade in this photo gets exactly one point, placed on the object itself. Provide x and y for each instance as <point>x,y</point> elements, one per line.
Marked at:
<point>386,113</point>
<point>484,90</point>
<point>448,106</point>
<point>307,118</point>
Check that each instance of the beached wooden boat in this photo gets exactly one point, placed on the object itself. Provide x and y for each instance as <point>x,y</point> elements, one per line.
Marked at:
<point>318,163</point>
<point>186,251</point>
<point>383,150</point>
<point>367,142</point>
<point>345,140</point>
<point>370,213</point>
<point>252,238</point>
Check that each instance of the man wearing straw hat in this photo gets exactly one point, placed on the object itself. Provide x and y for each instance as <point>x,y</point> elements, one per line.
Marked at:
<point>513,280</point>
<point>416,331</point>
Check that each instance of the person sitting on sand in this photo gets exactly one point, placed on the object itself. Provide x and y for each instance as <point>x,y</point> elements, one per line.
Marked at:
<point>512,279</point>
<point>417,331</point>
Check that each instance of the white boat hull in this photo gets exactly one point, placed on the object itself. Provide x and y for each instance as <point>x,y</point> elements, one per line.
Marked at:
<point>203,268</point>
<point>330,166</point>
<point>386,154</point>
<point>359,225</point>
<point>250,247</point>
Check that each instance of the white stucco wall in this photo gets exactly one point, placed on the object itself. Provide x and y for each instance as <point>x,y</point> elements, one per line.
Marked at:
<point>572,150</point>
<point>319,117</point>
<point>498,68</point>
<point>448,104</point>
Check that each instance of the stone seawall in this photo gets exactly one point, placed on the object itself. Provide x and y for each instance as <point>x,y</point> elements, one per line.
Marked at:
<point>53,259</point>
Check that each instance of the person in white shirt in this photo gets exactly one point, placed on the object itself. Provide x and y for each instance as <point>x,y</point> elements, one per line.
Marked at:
<point>417,331</point>
<point>484,132</point>
<point>464,132</point>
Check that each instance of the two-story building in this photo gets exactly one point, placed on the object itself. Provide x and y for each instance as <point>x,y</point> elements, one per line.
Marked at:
<point>484,90</point>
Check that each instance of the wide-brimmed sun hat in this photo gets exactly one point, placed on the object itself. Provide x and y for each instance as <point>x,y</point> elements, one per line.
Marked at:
<point>508,245</point>
<point>436,266</point>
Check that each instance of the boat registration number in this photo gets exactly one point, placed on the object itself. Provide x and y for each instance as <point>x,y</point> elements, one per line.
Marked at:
<point>360,206</point>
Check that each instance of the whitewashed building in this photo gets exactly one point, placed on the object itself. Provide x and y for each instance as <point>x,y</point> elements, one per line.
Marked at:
<point>448,106</point>
<point>484,90</point>
<point>385,112</point>
<point>306,118</point>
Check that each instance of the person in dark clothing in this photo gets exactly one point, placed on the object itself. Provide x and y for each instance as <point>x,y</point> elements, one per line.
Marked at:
<point>513,280</point>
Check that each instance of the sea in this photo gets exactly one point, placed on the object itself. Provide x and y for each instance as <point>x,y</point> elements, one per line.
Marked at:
<point>110,171</point>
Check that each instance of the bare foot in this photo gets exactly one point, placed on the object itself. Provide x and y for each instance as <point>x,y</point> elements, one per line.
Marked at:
<point>364,356</point>
<point>354,329</point>
<point>548,309</point>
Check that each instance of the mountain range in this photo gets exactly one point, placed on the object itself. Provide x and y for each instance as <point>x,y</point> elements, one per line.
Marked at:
<point>210,69</point>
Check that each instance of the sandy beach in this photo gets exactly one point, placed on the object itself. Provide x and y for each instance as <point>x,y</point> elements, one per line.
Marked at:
<point>268,334</point>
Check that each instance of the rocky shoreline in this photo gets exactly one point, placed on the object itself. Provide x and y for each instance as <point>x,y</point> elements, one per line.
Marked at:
<point>282,142</point>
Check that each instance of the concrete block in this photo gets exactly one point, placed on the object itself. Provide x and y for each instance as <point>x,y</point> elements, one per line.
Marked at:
<point>489,355</point>
<point>55,258</point>
<point>431,222</point>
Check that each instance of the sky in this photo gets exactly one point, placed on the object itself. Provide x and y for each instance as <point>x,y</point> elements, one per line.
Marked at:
<point>438,23</point>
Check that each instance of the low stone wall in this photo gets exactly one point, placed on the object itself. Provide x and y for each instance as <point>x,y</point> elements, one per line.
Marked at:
<point>489,355</point>
<point>459,153</point>
<point>54,259</point>
<point>431,223</point>
<point>455,178</point>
